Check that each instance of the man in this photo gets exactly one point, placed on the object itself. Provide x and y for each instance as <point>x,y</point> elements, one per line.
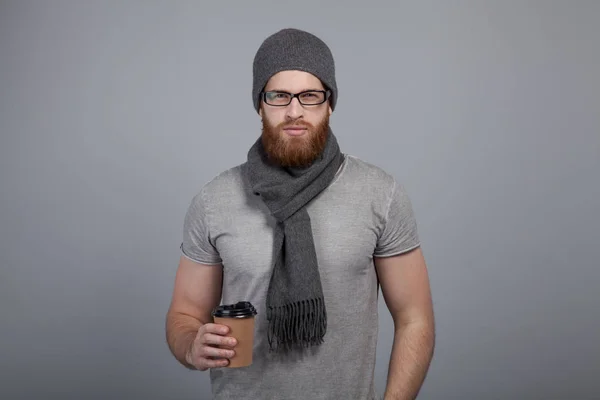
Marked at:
<point>306,234</point>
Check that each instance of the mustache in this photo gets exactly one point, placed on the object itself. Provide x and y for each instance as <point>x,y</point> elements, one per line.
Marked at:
<point>295,124</point>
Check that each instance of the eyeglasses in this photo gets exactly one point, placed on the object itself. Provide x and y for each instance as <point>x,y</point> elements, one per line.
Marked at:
<point>306,98</point>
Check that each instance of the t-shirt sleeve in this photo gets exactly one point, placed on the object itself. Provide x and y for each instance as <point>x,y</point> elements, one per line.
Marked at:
<point>197,244</point>
<point>399,233</point>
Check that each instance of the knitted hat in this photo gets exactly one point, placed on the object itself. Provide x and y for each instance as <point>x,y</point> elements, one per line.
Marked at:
<point>293,49</point>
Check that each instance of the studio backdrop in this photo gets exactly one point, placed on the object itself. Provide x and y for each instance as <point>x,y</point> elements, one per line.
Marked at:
<point>114,114</point>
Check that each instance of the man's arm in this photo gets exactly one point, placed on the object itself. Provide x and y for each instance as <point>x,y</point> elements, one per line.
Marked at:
<point>196,292</point>
<point>405,286</point>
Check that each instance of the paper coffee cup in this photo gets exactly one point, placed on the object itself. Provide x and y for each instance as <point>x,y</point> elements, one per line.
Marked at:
<point>239,317</point>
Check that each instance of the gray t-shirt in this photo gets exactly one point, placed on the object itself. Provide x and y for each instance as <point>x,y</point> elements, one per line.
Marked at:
<point>363,213</point>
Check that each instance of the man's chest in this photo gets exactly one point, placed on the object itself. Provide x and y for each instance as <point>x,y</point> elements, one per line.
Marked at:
<point>345,239</point>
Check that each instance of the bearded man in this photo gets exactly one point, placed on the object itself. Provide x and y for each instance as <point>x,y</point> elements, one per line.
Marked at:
<point>307,234</point>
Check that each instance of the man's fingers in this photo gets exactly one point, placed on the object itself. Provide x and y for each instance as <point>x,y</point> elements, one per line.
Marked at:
<point>218,340</point>
<point>209,356</point>
<point>208,363</point>
<point>208,351</point>
<point>217,329</point>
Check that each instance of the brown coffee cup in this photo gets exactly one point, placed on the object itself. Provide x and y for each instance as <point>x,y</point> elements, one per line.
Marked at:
<point>239,318</point>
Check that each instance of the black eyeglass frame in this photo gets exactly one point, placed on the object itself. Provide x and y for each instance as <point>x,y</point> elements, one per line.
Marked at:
<point>326,92</point>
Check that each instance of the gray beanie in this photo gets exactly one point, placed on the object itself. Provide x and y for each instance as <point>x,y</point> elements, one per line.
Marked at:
<point>293,49</point>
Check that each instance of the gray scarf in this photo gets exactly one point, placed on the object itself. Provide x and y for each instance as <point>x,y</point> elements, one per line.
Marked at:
<point>296,310</point>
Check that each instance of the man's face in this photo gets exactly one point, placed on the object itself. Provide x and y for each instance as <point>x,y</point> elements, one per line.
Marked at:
<point>294,135</point>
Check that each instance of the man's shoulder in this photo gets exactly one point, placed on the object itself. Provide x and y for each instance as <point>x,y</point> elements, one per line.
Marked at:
<point>359,170</point>
<point>226,183</point>
<point>231,177</point>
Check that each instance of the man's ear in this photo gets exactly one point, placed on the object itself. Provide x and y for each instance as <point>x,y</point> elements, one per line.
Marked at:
<point>260,112</point>
<point>330,110</point>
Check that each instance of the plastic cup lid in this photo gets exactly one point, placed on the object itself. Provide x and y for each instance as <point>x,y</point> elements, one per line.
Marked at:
<point>240,309</point>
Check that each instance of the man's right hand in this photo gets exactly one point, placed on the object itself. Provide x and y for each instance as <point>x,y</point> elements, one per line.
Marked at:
<point>205,352</point>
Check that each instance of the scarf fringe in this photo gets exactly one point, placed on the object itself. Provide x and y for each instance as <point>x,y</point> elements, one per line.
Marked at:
<point>299,324</point>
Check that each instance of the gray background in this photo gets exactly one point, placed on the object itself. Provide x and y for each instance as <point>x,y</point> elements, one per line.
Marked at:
<point>113,114</point>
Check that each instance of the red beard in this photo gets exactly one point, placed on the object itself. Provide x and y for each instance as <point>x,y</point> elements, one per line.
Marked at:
<point>289,151</point>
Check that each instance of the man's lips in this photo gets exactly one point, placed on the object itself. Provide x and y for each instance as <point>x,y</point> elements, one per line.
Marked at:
<point>295,130</point>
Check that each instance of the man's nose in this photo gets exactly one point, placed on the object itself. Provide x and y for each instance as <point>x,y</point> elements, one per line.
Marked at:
<point>294,109</point>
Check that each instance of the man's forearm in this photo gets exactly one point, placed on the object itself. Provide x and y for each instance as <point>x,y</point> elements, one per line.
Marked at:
<point>181,331</point>
<point>412,351</point>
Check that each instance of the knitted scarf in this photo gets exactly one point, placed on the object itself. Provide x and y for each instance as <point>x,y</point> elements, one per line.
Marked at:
<point>296,311</point>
